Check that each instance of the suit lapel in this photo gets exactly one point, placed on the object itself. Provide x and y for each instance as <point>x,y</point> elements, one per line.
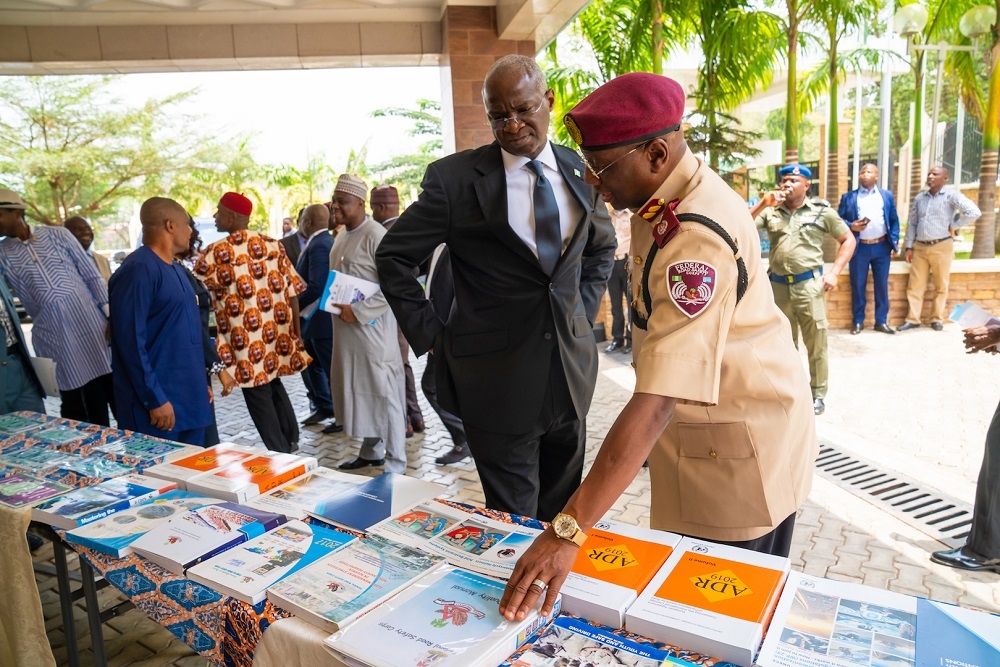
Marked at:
<point>573,176</point>
<point>491,190</point>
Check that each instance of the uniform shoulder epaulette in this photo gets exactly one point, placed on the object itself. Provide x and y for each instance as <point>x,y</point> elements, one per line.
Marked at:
<point>819,201</point>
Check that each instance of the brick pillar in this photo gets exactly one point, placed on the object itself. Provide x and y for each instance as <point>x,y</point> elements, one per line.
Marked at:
<point>471,46</point>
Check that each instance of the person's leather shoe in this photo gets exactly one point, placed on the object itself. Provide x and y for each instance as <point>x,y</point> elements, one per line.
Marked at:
<point>965,560</point>
<point>333,428</point>
<point>627,347</point>
<point>615,345</point>
<point>819,407</point>
<point>884,328</point>
<point>459,453</point>
<point>409,430</point>
<point>359,463</point>
<point>418,425</point>
<point>906,326</point>
<point>856,329</point>
<point>317,417</point>
<point>937,326</point>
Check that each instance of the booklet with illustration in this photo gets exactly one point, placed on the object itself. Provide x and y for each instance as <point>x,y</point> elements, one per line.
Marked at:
<point>296,498</point>
<point>343,288</point>
<point>343,586</point>
<point>15,424</point>
<point>450,618</point>
<point>146,449</point>
<point>375,500</point>
<point>483,545</point>
<point>92,503</point>
<point>956,637</point>
<point>247,570</point>
<point>19,490</point>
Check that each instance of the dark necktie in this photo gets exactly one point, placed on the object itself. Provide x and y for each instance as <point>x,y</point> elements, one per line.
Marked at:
<point>548,235</point>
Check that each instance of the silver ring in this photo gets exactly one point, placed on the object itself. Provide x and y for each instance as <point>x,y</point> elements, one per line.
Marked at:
<point>538,582</point>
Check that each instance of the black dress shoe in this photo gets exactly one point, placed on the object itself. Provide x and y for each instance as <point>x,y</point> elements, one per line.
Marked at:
<point>856,329</point>
<point>966,560</point>
<point>418,425</point>
<point>317,417</point>
<point>409,430</point>
<point>627,348</point>
<point>361,463</point>
<point>333,428</point>
<point>884,328</point>
<point>906,326</point>
<point>819,407</point>
<point>459,453</point>
<point>937,326</point>
<point>615,345</point>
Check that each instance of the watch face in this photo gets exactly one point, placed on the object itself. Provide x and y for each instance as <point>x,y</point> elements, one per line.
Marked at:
<point>564,526</point>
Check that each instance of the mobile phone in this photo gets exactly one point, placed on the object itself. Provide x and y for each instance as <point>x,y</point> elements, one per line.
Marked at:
<point>865,220</point>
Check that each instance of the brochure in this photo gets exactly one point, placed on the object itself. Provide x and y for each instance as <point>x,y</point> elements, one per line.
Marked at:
<point>483,545</point>
<point>375,500</point>
<point>294,499</point>
<point>23,491</point>
<point>953,636</point>
<point>92,503</point>
<point>343,288</point>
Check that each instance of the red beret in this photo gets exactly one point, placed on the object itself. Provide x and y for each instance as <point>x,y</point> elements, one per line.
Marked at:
<point>629,109</point>
<point>236,203</point>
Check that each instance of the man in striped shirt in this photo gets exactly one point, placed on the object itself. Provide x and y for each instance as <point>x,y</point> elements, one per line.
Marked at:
<point>934,213</point>
<point>67,299</point>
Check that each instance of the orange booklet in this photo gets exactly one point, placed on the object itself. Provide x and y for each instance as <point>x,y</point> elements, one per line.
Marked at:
<point>207,460</point>
<point>252,476</point>
<point>711,598</point>
<point>612,568</point>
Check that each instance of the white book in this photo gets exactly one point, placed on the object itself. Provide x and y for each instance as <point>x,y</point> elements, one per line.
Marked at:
<point>201,533</point>
<point>247,570</point>
<point>296,498</point>
<point>248,478</point>
<point>826,623</point>
<point>483,545</point>
<point>343,586</point>
<point>93,503</point>
<point>450,618</point>
<point>612,567</point>
<point>115,534</point>
<point>200,462</point>
<point>711,598</point>
<point>417,525</point>
<point>343,288</point>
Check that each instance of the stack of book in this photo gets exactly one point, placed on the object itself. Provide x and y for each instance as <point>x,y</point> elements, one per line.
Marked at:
<point>201,462</point>
<point>711,598</point>
<point>252,476</point>
<point>295,499</point>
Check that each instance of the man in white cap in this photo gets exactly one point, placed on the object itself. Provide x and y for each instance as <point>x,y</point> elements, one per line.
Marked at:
<point>67,298</point>
<point>366,378</point>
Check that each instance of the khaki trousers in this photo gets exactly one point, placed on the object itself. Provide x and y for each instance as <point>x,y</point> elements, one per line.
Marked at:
<point>804,304</point>
<point>934,260</point>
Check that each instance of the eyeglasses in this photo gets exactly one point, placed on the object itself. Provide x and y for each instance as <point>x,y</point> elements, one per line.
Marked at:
<point>517,118</point>
<point>597,172</point>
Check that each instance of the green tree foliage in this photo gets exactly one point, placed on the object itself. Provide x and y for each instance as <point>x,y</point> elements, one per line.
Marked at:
<point>406,171</point>
<point>71,148</point>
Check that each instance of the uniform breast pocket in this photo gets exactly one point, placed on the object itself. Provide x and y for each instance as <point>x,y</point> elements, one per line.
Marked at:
<point>777,225</point>
<point>719,477</point>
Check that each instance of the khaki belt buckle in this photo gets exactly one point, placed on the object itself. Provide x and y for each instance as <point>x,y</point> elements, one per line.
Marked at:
<point>791,280</point>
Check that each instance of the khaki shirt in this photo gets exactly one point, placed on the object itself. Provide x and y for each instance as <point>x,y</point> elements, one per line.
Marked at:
<point>737,458</point>
<point>797,238</point>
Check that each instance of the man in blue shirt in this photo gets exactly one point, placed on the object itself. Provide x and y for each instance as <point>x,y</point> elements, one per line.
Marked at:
<point>156,340</point>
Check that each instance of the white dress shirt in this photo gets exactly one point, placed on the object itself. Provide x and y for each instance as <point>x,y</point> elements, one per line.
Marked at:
<point>520,199</point>
<point>872,206</point>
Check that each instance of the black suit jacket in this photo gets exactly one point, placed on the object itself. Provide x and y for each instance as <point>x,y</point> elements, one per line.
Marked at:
<point>314,268</point>
<point>292,249</point>
<point>494,354</point>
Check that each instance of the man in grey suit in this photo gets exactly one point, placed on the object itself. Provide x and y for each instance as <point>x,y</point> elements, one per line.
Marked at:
<point>19,386</point>
<point>531,247</point>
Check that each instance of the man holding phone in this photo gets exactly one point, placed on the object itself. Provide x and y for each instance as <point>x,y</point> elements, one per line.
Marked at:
<point>870,211</point>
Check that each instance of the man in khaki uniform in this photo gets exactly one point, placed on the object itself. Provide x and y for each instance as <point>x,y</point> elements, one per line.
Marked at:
<point>796,226</point>
<point>721,404</point>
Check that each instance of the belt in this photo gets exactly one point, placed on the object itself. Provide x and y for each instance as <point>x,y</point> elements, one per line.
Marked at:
<point>873,241</point>
<point>934,242</point>
<point>797,278</point>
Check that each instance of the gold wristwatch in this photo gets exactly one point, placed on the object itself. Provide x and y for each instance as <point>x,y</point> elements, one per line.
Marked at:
<point>567,528</point>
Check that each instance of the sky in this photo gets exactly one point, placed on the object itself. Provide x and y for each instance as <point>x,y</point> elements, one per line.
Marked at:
<point>293,114</point>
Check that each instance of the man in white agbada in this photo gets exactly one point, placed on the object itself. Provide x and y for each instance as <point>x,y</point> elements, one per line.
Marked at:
<point>366,378</point>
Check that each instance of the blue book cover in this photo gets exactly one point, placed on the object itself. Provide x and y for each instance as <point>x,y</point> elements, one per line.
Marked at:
<point>247,570</point>
<point>93,503</point>
<point>952,636</point>
<point>376,500</point>
<point>447,620</point>
<point>115,534</point>
<point>201,533</point>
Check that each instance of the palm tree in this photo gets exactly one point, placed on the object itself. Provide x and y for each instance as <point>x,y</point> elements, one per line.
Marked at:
<point>796,13</point>
<point>985,242</point>
<point>838,19</point>
<point>406,171</point>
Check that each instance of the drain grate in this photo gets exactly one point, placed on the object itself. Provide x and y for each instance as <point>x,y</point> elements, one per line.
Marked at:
<point>940,516</point>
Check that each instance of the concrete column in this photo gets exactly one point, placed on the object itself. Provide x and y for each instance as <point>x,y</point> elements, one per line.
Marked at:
<point>471,46</point>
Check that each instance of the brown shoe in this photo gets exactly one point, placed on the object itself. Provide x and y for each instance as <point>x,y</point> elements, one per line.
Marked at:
<point>409,430</point>
<point>417,425</point>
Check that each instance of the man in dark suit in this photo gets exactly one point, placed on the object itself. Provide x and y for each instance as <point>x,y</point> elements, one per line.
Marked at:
<point>531,249</point>
<point>317,328</point>
<point>871,213</point>
<point>295,243</point>
<point>19,386</point>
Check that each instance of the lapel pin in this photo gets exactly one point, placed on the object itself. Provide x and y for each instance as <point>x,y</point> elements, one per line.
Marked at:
<point>576,172</point>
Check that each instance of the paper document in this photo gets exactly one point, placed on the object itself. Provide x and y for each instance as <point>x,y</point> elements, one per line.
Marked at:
<point>969,316</point>
<point>45,369</point>
<point>342,288</point>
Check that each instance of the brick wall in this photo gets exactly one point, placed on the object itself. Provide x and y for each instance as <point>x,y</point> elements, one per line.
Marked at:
<point>975,280</point>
